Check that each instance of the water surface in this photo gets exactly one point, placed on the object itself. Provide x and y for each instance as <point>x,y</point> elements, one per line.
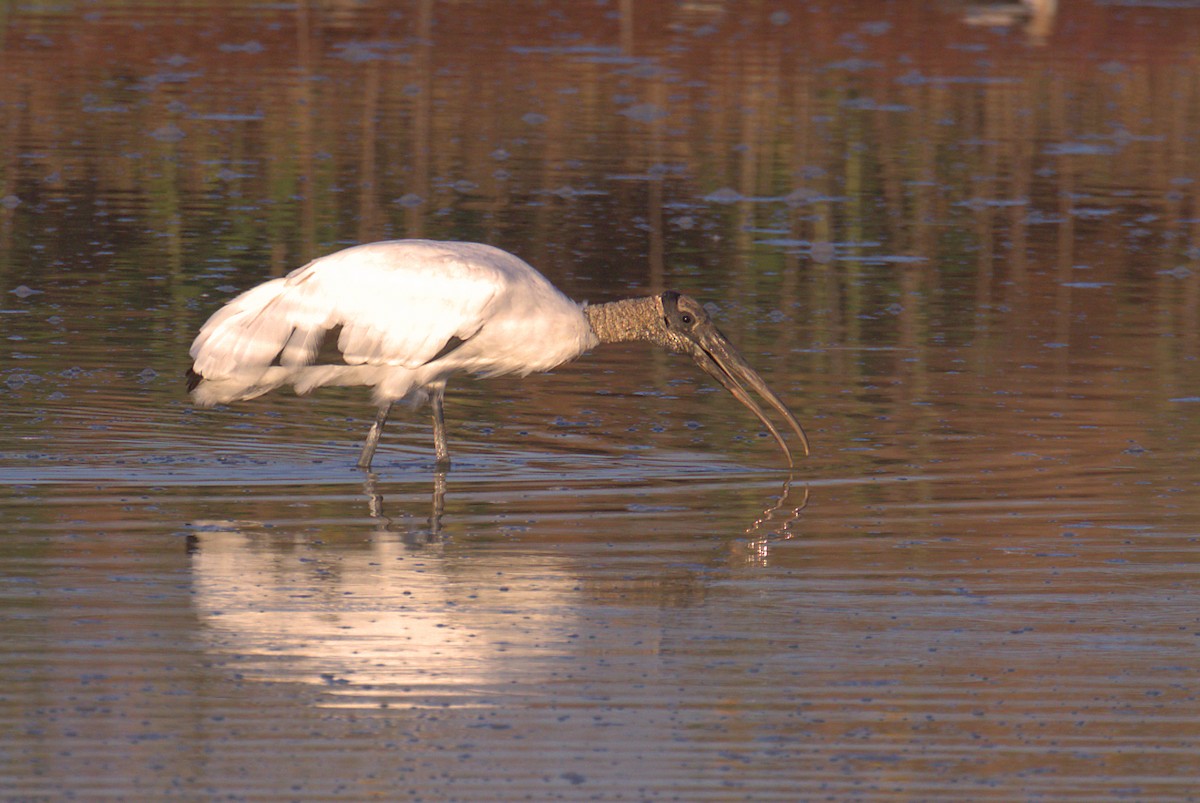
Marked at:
<point>962,245</point>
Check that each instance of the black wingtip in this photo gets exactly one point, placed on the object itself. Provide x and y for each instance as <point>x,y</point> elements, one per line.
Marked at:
<point>193,380</point>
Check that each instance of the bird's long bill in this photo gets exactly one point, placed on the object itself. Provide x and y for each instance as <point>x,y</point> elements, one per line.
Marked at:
<point>722,362</point>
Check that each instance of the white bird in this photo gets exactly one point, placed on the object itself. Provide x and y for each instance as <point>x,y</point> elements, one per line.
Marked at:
<point>402,316</point>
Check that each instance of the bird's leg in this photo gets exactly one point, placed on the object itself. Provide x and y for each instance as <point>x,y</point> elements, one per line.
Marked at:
<point>441,450</point>
<point>368,450</point>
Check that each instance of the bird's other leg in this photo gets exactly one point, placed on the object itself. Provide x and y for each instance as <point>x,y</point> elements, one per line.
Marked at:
<point>436,401</point>
<point>368,450</point>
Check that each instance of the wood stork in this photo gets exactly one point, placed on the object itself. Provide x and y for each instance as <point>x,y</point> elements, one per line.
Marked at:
<point>402,316</point>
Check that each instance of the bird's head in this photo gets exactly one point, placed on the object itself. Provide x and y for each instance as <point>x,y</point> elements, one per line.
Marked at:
<point>686,328</point>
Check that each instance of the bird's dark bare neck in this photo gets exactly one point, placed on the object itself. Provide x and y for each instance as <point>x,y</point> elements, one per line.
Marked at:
<point>629,319</point>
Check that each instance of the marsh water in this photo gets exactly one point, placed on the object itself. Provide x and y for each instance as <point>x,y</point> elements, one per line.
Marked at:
<point>963,243</point>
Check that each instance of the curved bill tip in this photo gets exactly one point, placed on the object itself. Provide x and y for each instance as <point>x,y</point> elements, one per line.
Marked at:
<point>720,360</point>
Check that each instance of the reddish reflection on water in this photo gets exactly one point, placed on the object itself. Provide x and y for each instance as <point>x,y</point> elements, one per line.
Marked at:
<point>960,241</point>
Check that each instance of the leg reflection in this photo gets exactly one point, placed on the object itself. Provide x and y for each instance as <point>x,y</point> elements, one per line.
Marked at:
<point>439,503</point>
<point>412,534</point>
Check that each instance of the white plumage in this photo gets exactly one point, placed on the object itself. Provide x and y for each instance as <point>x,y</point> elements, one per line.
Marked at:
<point>399,304</point>
<point>402,316</point>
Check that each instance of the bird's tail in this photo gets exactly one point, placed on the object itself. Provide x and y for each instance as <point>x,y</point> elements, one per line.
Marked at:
<point>279,334</point>
<point>264,338</point>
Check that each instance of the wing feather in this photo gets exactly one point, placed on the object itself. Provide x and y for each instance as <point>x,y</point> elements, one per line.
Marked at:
<point>398,303</point>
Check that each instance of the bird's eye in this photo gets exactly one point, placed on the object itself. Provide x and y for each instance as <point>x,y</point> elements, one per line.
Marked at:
<point>687,319</point>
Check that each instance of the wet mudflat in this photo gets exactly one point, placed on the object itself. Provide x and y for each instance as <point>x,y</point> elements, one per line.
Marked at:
<point>962,248</point>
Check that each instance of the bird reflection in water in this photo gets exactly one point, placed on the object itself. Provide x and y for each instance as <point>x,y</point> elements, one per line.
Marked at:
<point>405,617</point>
<point>772,525</point>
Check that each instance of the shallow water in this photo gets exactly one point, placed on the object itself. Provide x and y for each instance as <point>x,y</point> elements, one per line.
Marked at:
<point>964,250</point>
